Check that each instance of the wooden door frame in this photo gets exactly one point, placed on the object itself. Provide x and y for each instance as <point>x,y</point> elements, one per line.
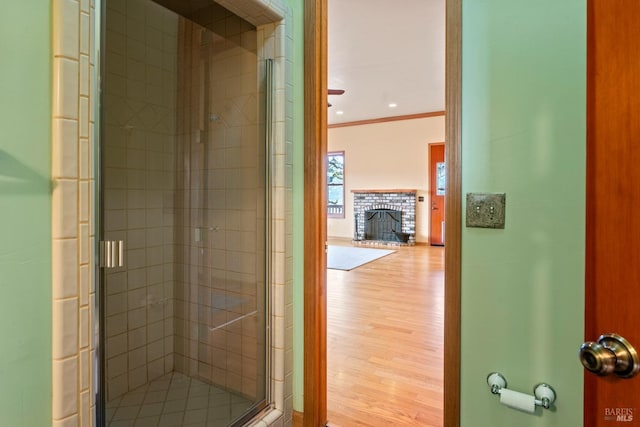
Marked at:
<point>315,218</point>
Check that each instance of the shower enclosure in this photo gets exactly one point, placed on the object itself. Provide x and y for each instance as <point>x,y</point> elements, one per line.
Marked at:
<point>184,216</point>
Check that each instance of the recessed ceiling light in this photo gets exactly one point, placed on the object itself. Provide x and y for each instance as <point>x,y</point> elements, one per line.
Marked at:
<point>393,105</point>
<point>339,112</point>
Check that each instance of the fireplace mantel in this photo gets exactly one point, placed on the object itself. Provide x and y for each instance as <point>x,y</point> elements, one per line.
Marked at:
<point>384,191</point>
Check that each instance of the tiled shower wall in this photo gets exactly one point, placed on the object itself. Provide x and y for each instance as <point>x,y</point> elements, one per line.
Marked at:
<point>73,217</point>
<point>73,210</point>
<point>139,120</point>
<point>219,205</point>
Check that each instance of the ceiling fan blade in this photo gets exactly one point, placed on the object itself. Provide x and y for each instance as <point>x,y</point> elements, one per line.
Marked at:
<point>336,91</point>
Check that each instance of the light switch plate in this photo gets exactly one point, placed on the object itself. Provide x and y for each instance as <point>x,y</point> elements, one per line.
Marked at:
<point>486,210</point>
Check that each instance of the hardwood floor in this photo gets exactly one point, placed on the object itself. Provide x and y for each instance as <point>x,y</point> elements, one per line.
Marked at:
<point>385,325</point>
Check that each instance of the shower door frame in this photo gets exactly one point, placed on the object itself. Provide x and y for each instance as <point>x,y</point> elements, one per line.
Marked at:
<point>271,408</point>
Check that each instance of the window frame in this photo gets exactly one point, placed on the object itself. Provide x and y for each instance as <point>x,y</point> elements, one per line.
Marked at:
<point>340,214</point>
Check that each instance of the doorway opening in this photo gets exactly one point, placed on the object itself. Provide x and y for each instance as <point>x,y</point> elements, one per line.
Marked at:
<point>315,405</point>
<point>387,203</point>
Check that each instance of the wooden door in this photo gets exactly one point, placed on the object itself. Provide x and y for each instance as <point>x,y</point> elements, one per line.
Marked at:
<point>436,194</point>
<point>613,200</point>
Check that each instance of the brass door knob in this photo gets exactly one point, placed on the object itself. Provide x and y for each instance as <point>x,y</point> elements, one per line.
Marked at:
<point>612,354</point>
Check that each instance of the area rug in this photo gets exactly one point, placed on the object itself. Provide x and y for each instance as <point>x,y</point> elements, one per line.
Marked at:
<point>349,257</point>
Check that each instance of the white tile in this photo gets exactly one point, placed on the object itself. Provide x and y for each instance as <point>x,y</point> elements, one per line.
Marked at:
<point>115,220</point>
<point>85,35</point>
<point>126,413</point>
<point>279,273</point>
<point>65,84</point>
<point>92,255</point>
<point>278,393</point>
<point>155,350</point>
<point>92,99</point>
<point>84,75</point>
<point>92,199</point>
<point>137,298</point>
<point>71,421</point>
<point>154,255</point>
<point>64,156</point>
<point>278,300</point>
<point>83,118</point>
<point>191,417</point>
<point>156,275</point>
<point>64,260</point>
<point>116,304</point>
<point>85,202</point>
<point>116,387</point>
<point>116,366</point>
<point>279,203</point>
<point>137,338</point>
<point>137,318</point>
<point>115,335</point>
<point>84,278</point>
<point>85,370</point>
<point>84,244</point>
<point>155,369</point>
<point>150,409</point>
<point>84,159</point>
<point>65,28</point>
<point>84,327</point>
<point>65,383</point>
<point>278,332</point>
<point>117,19</point>
<point>138,376</point>
<point>136,278</point>
<point>65,328</point>
<point>116,282</point>
<point>133,398</point>
<point>116,325</point>
<point>278,364</point>
<point>168,420</point>
<point>65,209</point>
<point>85,410</point>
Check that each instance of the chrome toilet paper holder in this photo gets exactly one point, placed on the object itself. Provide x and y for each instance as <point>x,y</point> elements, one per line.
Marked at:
<point>544,394</point>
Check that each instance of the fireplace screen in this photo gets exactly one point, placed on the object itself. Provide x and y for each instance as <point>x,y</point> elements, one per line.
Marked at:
<point>383,224</point>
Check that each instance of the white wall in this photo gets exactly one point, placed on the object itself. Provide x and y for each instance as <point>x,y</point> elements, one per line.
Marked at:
<point>387,155</point>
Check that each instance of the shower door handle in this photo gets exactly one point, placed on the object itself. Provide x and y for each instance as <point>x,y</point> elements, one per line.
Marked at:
<point>112,253</point>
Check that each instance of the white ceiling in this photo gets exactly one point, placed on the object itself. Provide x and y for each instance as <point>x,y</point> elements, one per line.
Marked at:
<point>384,51</point>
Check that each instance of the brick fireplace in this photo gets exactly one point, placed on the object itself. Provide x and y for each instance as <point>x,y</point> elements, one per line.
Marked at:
<point>385,211</point>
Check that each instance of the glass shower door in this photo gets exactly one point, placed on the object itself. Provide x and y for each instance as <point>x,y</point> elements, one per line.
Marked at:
<point>185,188</point>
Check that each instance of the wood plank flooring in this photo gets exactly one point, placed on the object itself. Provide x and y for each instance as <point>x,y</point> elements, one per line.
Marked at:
<point>385,325</point>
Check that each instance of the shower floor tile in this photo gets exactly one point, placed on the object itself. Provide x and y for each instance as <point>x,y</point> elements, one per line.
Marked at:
<point>176,400</point>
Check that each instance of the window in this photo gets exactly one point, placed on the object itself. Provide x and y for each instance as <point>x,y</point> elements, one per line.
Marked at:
<point>335,184</point>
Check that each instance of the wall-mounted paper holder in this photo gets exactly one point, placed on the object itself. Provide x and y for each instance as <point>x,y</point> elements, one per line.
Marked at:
<point>543,394</point>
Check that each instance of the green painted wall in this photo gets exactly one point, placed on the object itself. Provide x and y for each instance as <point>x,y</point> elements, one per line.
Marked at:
<point>523,133</point>
<point>25,214</point>
<point>297,70</point>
